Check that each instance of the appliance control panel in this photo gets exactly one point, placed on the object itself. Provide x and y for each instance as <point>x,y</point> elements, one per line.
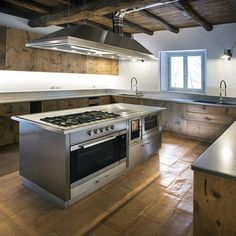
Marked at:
<point>93,132</point>
<point>101,130</point>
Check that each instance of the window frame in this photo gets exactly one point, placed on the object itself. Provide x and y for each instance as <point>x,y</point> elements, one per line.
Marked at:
<point>165,65</point>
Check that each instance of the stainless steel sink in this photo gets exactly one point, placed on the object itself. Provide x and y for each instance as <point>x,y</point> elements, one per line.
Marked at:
<point>131,95</point>
<point>213,102</point>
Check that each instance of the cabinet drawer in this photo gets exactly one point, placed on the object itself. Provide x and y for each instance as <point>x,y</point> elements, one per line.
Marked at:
<point>208,118</point>
<point>143,150</point>
<point>230,111</point>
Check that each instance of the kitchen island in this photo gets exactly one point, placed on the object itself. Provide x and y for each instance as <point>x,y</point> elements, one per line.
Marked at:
<point>66,161</point>
<point>215,187</point>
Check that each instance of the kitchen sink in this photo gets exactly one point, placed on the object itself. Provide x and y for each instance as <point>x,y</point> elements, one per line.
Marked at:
<point>131,95</point>
<point>213,102</point>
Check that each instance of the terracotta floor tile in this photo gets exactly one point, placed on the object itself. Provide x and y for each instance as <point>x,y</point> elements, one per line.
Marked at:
<point>178,224</point>
<point>186,203</point>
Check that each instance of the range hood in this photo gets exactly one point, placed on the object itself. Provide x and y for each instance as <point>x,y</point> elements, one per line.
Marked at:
<point>93,41</point>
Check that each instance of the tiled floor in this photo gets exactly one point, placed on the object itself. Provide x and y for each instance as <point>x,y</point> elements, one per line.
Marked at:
<point>154,198</point>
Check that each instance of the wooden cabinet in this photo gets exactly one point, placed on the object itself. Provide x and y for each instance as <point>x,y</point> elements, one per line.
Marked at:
<point>125,99</point>
<point>77,102</point>
<point>55,105</point>
<point>214,205</point>
<point>208,122</point>
<point>9,128</point>
<point>104,100</point>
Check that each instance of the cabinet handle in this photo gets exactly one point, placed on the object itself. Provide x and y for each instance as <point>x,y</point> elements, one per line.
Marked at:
<point>205,187</point>
<point>102,179</point>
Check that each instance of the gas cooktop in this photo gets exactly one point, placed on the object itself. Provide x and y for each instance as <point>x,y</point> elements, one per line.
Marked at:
<point>79,118</point>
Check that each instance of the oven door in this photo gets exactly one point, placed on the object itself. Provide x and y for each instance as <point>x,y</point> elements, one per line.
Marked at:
<point>92,158</point>
<point>150,124</point>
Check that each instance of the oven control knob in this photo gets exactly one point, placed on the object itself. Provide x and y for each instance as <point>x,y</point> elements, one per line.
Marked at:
<point>112,126</point>
<point>95,131</point>
<point>101,130</point>
<point>89,132</point>
<point>106,128</point>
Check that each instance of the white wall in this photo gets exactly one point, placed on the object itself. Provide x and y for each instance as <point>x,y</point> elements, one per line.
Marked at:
<point>147,73</point>
<point>220,38</point>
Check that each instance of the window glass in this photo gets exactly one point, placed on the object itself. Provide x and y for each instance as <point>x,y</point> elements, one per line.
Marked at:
<point>177,72</point>
<point>194,72</point>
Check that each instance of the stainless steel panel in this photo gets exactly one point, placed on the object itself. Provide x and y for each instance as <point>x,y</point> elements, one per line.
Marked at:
<point>83,135</point>
<point>143,150</point>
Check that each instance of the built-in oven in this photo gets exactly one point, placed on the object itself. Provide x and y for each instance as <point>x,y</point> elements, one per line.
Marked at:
<point>150,124</point>
<point>92,158</point>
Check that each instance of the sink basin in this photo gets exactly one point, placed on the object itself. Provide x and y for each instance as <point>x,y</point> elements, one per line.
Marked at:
<point>131,95</point>
<point>211,102</point>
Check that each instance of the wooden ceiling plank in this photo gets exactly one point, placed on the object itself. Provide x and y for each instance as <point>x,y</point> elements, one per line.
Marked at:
<point>186,7</point>
<point>162,22</point>
<point>89,10</point>
<point>30,6</point>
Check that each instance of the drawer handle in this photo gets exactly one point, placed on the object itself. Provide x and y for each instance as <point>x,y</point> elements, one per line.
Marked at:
<point>102,179</point>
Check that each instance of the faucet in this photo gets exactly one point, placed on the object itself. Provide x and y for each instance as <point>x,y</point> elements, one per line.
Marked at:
<point>222,89</point>
<point>135,85</point>
<point>132,85</point>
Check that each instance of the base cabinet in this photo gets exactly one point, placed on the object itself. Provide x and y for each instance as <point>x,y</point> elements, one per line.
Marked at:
<point>142,150</point>
<point>214,205</point>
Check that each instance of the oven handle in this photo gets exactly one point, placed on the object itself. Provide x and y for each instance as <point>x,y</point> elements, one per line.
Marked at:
<point>76,147</point>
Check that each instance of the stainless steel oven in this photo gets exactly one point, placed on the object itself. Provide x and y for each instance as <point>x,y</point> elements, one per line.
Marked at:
<point>91,158</point>
<point>150,124</point>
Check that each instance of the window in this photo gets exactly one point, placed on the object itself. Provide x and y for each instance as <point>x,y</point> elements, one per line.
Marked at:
<point>183,70</point>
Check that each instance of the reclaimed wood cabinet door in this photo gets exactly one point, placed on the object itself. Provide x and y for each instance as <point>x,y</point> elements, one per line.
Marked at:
<point>214,205</point>
<point>77,102</point>
<point>9,128</point>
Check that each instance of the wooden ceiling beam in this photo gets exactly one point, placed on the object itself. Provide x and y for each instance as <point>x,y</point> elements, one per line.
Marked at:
<point>158,19</point>
<point>89,10</point>
<point>30,6</point>
<point>183,5</point>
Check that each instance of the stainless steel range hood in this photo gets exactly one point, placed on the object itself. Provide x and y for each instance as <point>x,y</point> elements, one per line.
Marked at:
<point>93,41</point>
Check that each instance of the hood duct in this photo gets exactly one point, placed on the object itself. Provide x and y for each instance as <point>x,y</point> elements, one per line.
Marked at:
<point>93,41</point>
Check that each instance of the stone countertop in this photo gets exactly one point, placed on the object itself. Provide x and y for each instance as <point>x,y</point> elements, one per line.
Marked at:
<point>126,111</point>
<point>161,96</point>
<point>220,159</point>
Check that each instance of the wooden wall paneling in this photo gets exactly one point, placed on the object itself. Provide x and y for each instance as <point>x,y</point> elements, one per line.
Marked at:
<point>72,62</point>
<point>48,60</point>
<point>214,200</point>
<point>19,57</point>
<point>2,47</point>
<point>98,65</point>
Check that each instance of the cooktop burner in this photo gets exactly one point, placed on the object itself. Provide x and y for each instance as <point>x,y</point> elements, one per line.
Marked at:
<point>79,118</point>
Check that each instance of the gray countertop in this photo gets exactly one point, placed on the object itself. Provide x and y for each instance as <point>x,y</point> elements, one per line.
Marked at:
<point>126,111</point>
<point>220,159</point>
<point>161,96</point>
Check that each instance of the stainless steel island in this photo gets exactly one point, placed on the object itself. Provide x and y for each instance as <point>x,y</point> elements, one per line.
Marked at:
<point>65,155</point>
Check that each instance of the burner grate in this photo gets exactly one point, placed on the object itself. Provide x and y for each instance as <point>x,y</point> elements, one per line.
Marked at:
<point>79,118</point>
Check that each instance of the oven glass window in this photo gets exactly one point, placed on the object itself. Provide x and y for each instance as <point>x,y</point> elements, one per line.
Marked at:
<point>86,161</point>
<point>150,122</point>
<point>135,129</point>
